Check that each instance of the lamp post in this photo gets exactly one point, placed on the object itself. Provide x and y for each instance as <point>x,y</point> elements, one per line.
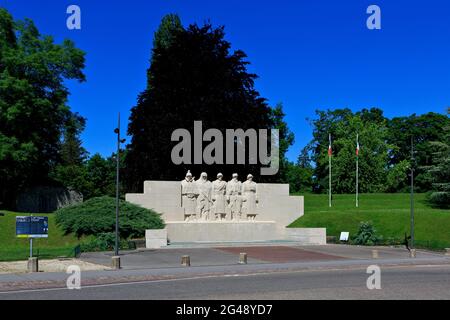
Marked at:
<point>412,197</point>
<point>119,141</point>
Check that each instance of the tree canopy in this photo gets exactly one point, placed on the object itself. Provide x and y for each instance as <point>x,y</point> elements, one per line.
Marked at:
<point>33,103</point>
<point>194,76</point>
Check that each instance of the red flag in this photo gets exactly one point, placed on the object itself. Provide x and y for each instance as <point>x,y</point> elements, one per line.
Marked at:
<point>329,145</point>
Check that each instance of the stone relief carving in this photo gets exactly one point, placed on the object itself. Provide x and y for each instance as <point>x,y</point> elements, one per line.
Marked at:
<point>219,189</point>
<point>249,198</point>
<point>204,200</point>
<point>234,188</point>
<point>219,200</point>
<point>189,197</point>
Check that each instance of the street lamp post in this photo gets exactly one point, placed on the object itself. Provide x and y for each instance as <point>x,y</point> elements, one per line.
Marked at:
<point>119,141</point>
<point>412,195</point>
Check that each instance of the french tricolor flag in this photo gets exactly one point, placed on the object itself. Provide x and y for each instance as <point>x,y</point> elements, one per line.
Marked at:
<point>357,147</point>
<point>329,146</point>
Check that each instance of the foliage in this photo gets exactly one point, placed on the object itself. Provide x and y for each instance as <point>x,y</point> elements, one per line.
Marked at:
<point>101,174</point>
<point>194,76</point>
<point>103,242</point>
<point>97,215</point>
<point>440,171</point>
<point>396,180</point>
<point>33,103</point>
<point>298,177</point>
<point>366,235</point>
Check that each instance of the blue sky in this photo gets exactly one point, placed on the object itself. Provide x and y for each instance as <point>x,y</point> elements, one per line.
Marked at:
<point>308,54</point>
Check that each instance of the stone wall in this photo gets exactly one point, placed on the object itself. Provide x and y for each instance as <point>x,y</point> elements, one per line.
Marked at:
<point>46,199</point>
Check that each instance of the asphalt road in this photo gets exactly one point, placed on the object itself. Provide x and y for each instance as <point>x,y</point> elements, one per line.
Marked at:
<point>406,282</point>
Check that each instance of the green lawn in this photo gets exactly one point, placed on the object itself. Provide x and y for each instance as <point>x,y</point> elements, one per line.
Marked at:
<point>12,248</point>
<point>390,214</point>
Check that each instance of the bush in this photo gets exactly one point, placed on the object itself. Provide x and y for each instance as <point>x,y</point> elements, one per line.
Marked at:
<point>97,215</point>
<point>103,242</point>
<point>439,199</point>
<point>366,235</point>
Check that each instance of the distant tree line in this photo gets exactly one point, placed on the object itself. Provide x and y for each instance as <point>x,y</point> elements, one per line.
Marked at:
<point>385,150</point>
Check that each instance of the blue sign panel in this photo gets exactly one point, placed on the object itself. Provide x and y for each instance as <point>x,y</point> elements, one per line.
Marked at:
<point>31,227</point>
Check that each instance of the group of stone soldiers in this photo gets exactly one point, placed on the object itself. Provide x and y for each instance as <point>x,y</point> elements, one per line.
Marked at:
<point>232,200</point>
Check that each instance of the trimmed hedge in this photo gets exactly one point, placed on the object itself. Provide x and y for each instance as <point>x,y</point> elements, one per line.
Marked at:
<point>98,215</point>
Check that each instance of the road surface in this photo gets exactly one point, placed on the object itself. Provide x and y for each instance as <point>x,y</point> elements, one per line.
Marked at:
<point>397,282</point>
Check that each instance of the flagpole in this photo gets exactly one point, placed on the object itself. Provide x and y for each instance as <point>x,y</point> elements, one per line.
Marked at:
<point>357,169</point>
<point>329,171</point>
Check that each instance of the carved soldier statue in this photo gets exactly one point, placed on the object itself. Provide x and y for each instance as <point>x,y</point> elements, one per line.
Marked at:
<point>204,201</point>
<point>189,195</point>
<point>219,188</point>
<point>249,198</point>
<point>234,197</point>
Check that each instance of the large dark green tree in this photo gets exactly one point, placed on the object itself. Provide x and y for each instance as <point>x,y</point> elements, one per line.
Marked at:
<point>424,129</point>
<point>193,75</point>
<point>33,103</point>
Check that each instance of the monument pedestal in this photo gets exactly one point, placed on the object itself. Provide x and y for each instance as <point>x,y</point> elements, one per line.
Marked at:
<point>223,231</point>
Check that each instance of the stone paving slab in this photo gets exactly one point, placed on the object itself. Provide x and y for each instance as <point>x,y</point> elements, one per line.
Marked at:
<point>168,258</point>
<point>281,254</point>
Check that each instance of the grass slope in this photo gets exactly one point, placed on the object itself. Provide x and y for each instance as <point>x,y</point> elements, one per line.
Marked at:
<point>390,214</point>
<point>12,248</point>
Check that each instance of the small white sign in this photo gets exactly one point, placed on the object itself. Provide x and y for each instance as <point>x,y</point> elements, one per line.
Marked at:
<point>344,236</point>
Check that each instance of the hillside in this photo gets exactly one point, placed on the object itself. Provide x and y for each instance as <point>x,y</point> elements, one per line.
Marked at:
<point>390,214</point>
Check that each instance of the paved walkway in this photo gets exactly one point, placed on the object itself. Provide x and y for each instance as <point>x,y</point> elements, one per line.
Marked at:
<point>257,254</point>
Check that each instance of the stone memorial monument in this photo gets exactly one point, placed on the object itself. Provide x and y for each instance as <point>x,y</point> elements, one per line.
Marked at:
<point>220,211</point>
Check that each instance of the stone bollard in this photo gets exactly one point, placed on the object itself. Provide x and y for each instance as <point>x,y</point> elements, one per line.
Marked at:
<point>447,251</point>
<point>33,264</point>
<point>115,262</point>
<point>242,258</point>
<point>186,261</point>
<point>412,253</point>
<point>375,254</point>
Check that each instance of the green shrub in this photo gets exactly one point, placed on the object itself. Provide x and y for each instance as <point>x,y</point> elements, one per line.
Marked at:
<point>103,242</point>
<point>439,199</point>
<point>97,215</point>
<point>366,235</point>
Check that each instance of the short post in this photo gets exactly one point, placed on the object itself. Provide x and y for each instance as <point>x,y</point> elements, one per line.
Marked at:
<point>186,261</point>
<point>412,253</point>
<point>375,254</point>
<point>33,264</point>
<point>243,258</point>
<point>115,262</point>
<point>447,251</point>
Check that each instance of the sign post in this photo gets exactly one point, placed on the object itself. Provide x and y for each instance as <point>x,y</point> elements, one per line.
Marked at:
<point>31,227</point>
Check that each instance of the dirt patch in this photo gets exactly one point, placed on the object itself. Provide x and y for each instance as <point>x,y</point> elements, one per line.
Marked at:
<point>54,265</point>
